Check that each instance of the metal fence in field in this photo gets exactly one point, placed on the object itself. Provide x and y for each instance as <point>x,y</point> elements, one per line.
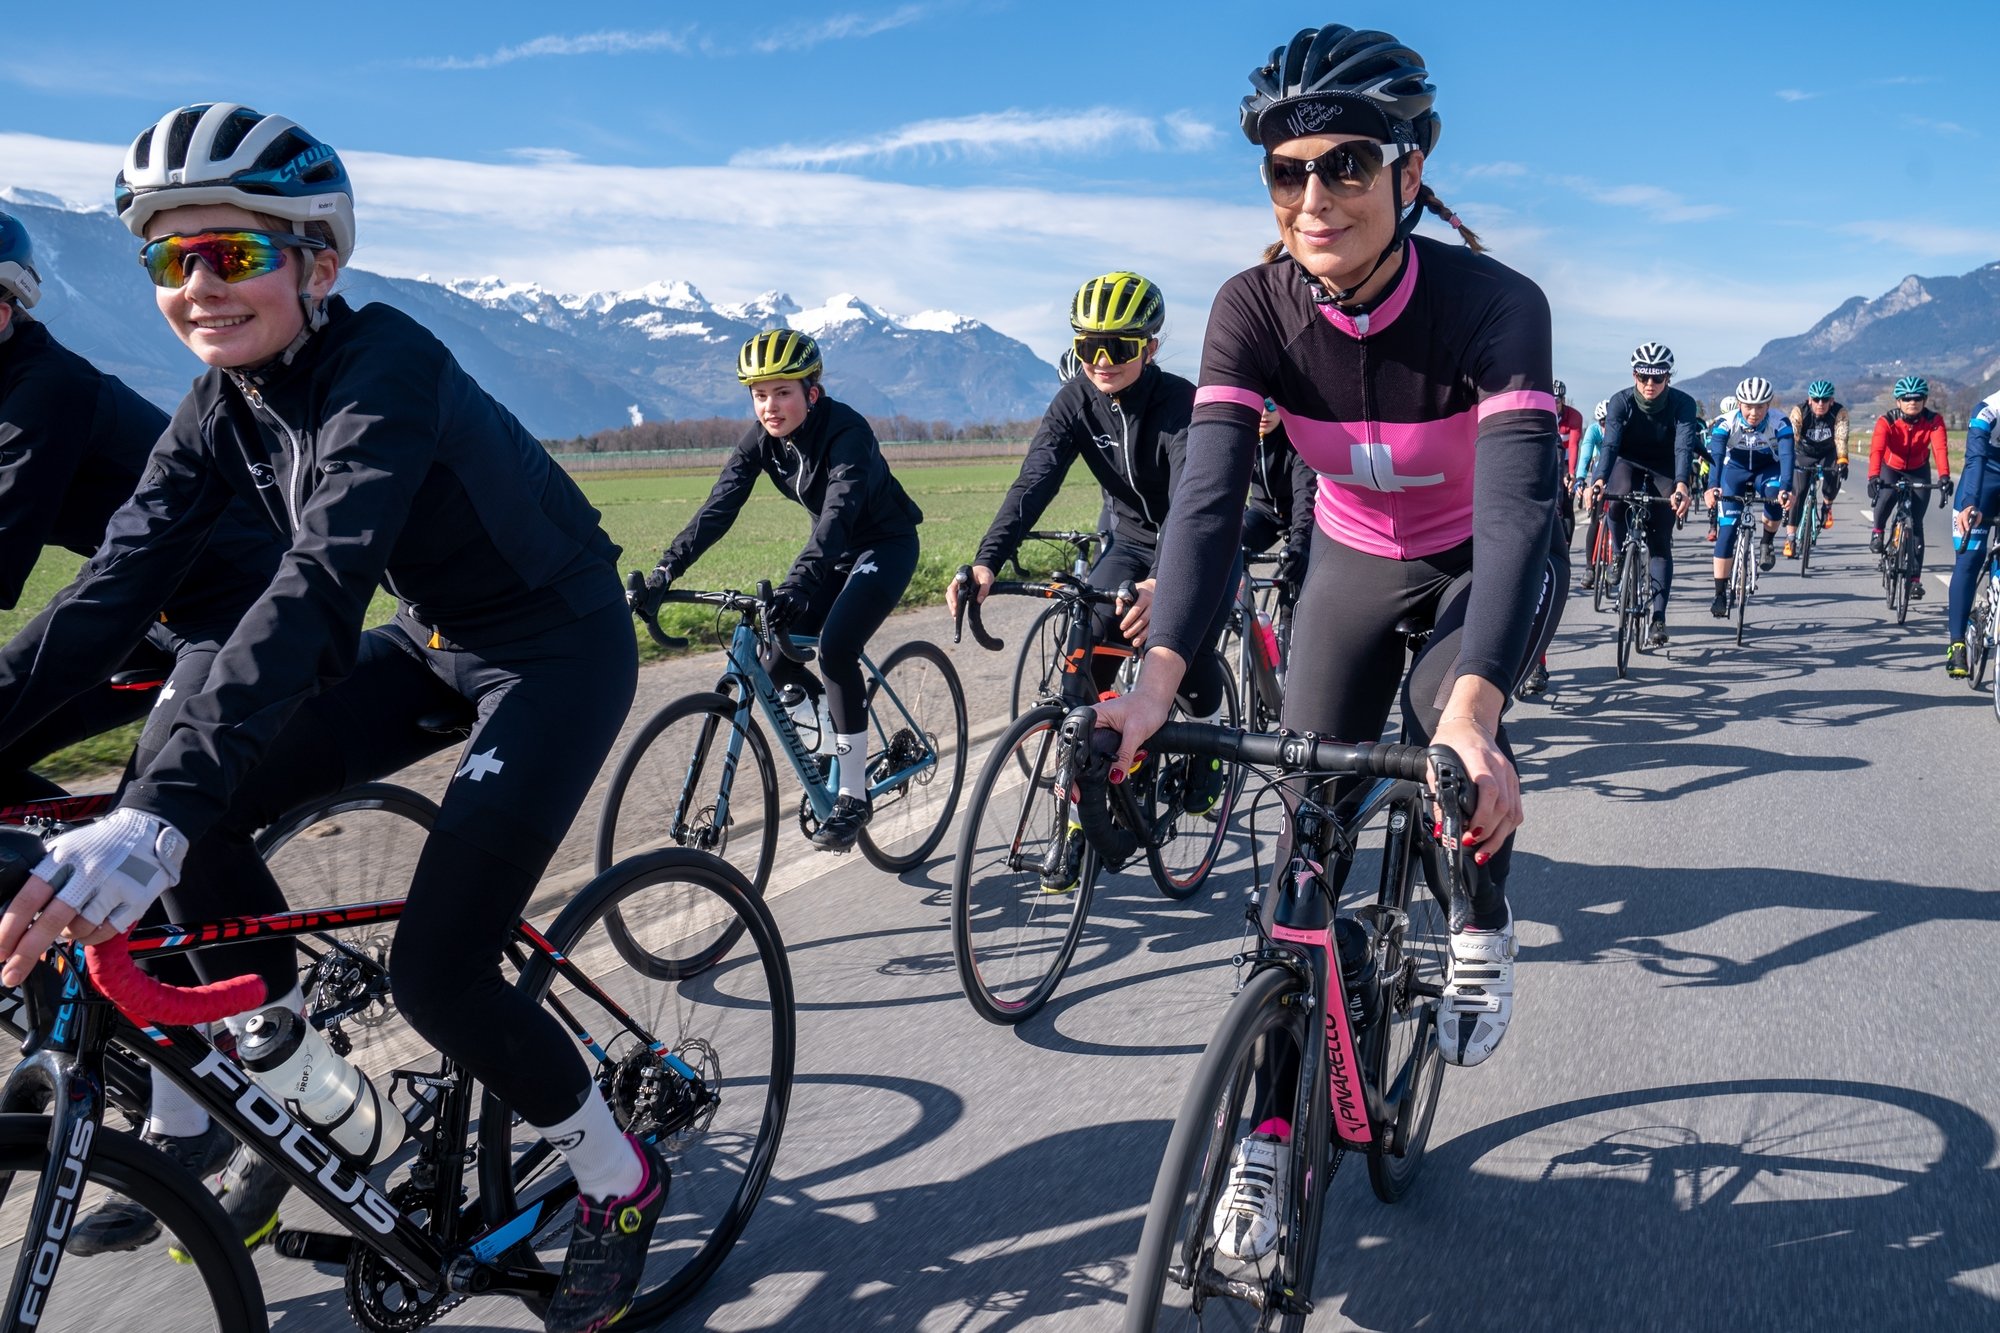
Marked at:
<point>897,451</point>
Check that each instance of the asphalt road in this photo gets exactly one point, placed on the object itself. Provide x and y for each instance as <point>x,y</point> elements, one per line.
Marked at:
<point>1750,1082</point>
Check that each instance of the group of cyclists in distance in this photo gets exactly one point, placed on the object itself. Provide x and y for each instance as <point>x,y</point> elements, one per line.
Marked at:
<point>1350,380</point>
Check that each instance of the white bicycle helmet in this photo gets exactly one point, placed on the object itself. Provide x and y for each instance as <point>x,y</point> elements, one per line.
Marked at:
<point>1602,410</point>
<point>1653,359</point>
<point>1753,392</point>
<point>223,153</point>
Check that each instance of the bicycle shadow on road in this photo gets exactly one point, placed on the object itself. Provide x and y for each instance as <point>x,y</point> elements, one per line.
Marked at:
<point>1755,1204</point>
<point>1629,913</point>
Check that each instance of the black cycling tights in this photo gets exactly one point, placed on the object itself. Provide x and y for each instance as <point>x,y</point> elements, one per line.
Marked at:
<point>547,712</point>
<point>1920,503</point>
<point>845,613</point>
<point>1627,479</point>
<point>1202,689</point>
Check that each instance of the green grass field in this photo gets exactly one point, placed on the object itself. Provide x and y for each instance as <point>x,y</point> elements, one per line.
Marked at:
<point>644,511</point>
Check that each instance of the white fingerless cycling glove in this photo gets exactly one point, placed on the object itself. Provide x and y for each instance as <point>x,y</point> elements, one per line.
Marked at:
<point>112,870</point>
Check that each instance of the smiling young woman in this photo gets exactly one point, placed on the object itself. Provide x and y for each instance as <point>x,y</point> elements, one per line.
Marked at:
<point>1396,363</point>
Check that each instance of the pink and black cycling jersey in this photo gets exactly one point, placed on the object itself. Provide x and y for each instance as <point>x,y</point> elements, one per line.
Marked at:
<point>1391,408</point>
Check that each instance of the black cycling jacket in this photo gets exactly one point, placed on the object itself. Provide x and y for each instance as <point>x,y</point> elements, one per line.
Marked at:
<point>1134,444</point>
<point>834,467</point>
<point>1663,442</point>
<point>378,460</point>
<point>73,442</point>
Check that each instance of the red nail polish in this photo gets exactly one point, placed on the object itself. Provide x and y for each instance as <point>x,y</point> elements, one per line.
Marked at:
<point>1117,776</point>
<point>1479,833</point>
<point>1481,858</point>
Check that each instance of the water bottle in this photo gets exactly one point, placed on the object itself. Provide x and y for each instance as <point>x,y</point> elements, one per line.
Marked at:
<point>805,719</point>
<point>292,1062</point>
<point>1354,941</point>
<point>1267,641</point>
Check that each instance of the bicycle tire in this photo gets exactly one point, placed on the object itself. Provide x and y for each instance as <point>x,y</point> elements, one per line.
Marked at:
<point>1741,570</point>
<point>1978,626</point>
<point>219,1265</point>
<point>1809,526</point>
<point>905,840</point>
<point>1603,563</point>
<point>705,1161</point>
<point>1011,975</point>
<point>1181,875</point>
<point>1037,659</point>
<point>1628,608</point>
<point>1213,1116</point>
<point>1899,580</point>
<point>647,764</point>
<point>1401,1045</point>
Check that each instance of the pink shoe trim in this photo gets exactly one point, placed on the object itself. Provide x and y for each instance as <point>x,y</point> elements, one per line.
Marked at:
<point>1277,1128</point>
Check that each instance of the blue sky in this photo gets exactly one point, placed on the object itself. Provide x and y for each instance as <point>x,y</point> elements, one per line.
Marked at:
<point>1712,176</point>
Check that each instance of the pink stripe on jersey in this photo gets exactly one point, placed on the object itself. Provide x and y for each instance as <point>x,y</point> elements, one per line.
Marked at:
<point>1396,489</point>
<point>1520,400</point>
<point>1223,393</point>
<point>1382,316</point>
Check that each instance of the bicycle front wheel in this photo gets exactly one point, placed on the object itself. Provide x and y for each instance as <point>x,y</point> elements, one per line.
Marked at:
<point>1179,1278</point>
<point>217,1289</point>
<point>1038,661</point>
<point>1809,512</point>
<point>1021,884</point>
<point>1413,955</point>
<point>1740,571</point>
<point>1189,799</point>
<point>731,1026</point>
<point>916,711</point>
<point>1629,585</point>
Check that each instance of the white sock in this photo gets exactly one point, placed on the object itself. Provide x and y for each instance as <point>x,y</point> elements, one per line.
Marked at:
<point>853,752</point>
<point>175,1114</point>
<point>602,1159</point>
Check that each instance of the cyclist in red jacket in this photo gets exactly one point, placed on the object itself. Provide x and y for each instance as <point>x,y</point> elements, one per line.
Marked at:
<point>1905,445</point>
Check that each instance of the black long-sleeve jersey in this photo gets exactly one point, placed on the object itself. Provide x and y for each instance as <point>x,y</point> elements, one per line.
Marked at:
<point>73,443</point>
<point>1392,407</point>
<point>376,459</point>
<point>1663,442</point>
<point>832,465</point>
<point>1133,443</point>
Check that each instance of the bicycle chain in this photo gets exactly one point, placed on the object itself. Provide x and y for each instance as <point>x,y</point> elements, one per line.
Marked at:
<point>370,1278</point>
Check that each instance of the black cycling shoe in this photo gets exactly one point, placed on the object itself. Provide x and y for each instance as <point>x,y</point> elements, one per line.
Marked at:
<point>1537,681</point>
<point>1767,558</point>
<point>120,1223</point>
<point>1204,785</point>
<point>1063,870</point>
<point>843,826</point>
<point>1719,608</point>
<point>1875,544</point>
<point>250,1191</point>
<point>1917,588</point>
<point>1658,638</point>
<point>1955,664</point>
<point>607,1252</point>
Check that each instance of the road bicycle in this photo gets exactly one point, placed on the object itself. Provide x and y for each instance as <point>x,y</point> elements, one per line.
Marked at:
<point>1982,625</point>
<point>1635,588</point>
<point>680,782</point>
<point>692,1045</point>
<point>1603,557</point>
<point>1256,641</point>
<point>1038,662</point>
<point>1899,562</point>
<point>1352,995</point>
<point>1024,874</point>
<point>1809,514</point>
<point>1743,553</point>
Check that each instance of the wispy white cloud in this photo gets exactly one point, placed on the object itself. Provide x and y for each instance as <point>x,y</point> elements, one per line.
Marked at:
<point>839,27</point>
<point>1930,239</point>
<point>1659,204</point>
<point>1950,127</point>
<point>1185,130</point>
<point>1494,171</point>
<point>613,43</point>
<point>544,157</point>
<point>1796,95</point>
<point>992,134</point>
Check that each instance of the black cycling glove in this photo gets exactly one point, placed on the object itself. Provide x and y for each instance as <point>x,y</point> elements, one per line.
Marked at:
<point>787,604</point>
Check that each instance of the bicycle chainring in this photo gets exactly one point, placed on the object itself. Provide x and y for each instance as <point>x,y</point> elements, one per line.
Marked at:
<point>381,1299</point>
<point>808,821</point>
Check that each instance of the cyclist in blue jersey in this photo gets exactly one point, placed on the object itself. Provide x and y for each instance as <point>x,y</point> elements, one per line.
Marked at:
<point>1979,502</point>
<point>377,461</point>
<point>1396,362</point>
<point>1754,452</point>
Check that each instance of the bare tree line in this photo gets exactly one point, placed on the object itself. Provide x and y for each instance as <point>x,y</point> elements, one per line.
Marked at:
<point>723,432</point>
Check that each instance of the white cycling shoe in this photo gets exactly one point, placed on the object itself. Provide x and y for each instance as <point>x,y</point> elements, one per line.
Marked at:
<point>1479,999</point>
<point>1246,1212</point>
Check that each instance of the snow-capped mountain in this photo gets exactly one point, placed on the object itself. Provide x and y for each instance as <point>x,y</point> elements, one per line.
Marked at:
<point>566,364</point>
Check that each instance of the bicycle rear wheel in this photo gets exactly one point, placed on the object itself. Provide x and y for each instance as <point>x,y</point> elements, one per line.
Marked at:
<point>1178,1277</point>
<point>1014,927</point>
<point>668,790</point>
<point>1412,951</point>
<point>916,710</point>
<point>1185,844</point>
<point>732,1024</point>
<point>1978,626</point>
<point>217,1289</point>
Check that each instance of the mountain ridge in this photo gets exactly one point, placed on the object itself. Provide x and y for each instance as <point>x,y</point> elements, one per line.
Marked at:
<point>566,364</point>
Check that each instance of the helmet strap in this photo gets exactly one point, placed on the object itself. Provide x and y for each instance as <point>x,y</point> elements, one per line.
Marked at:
<point>314,310</point>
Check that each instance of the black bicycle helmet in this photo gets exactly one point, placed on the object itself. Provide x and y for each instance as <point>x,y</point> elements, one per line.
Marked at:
<point>19,282</point>
<point>1338,79</point>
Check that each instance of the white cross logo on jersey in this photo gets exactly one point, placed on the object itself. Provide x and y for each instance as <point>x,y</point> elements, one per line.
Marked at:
<point>166,693</point>
<point>1374,469</point>
<point>479,765</point>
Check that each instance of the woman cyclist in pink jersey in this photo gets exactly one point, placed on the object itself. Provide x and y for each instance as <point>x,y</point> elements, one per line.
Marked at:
<point>1395,362</point>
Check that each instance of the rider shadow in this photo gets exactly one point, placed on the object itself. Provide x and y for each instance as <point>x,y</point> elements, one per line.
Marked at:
<point>1768,1204</point>
<point>1630,913</point>
<point>1040,1232</point>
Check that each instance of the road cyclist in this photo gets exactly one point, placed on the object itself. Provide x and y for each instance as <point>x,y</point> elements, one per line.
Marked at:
<point>1396,360</point>
<point>852,571</point>
<point>1586,459</point>
<point>1906,443</point>
<point>1819,442</point>
<point>1753,454</point>
<point>377,460</point>
<point>1650,434</point>
<point>1972,528</point>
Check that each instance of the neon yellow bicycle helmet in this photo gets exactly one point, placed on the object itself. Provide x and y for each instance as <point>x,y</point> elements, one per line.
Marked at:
<point>777,354</point>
